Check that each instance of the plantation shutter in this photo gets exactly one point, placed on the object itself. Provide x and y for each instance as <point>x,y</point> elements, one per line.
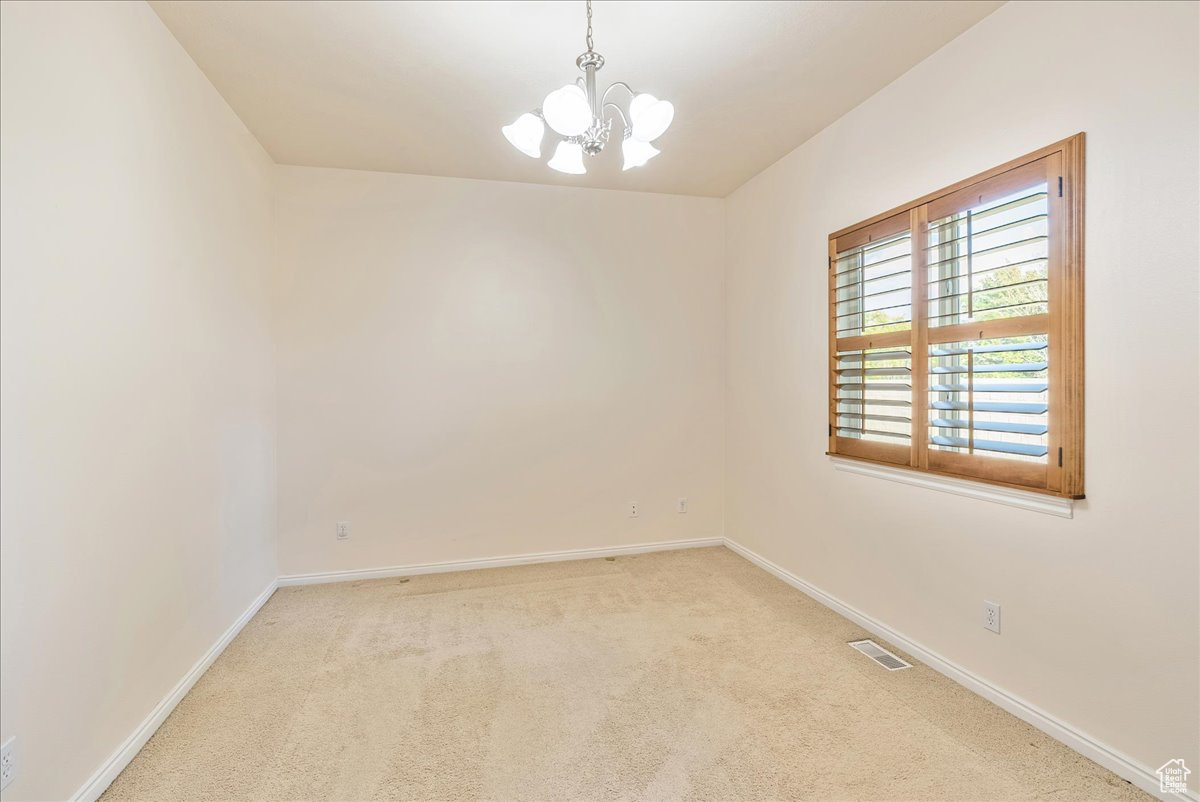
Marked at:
<point>956,330</point>
<point>871,283</point>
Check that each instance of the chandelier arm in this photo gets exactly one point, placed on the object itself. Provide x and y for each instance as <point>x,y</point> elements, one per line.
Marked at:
<point>617,108</point>
<point>613,86</point>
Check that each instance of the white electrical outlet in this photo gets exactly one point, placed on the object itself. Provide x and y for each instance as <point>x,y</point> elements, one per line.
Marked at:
<point>8,761</point>
<point>681,505</point>
<point>343,530</point>
<point>991,616</point>
<point>633,509</point>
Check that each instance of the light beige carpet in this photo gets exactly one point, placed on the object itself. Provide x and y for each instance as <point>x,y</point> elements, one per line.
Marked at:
<point>677,675</point>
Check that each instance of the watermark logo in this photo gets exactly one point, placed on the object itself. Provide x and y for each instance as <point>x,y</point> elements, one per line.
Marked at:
<point>1172,777</point>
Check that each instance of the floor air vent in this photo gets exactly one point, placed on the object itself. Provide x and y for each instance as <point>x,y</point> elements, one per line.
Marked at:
<point>880,655</point>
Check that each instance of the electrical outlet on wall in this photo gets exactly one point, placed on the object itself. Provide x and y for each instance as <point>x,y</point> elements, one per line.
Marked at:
<point>991,616</point>
<point>633,509</point>
<point>8,761</point>
<point>343,530</point>
<point>681,505</point>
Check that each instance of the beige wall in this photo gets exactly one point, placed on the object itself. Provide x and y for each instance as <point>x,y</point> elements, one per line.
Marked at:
<point>1100,612</point>
<point>137,470</point>
<point>474,369</point>
<point>471,369</point>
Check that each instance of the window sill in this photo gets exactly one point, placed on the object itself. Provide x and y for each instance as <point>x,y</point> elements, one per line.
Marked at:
<point>1024,499</point>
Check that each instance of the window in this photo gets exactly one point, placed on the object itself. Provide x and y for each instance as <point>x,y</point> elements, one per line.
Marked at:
<point>956,329</point>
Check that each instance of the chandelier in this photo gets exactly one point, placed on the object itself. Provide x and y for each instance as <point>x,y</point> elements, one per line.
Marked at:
<point>582,119</point>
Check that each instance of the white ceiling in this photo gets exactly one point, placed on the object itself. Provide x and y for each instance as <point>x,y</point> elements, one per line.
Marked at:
<point>423,87</point>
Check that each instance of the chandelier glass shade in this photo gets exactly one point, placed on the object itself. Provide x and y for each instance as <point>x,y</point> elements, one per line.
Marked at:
<point>568,158</point>
<point>651,117</point>
<point>567,110</point>
<point>526,134</point>
<point>635,153</point>
<point>581,119</point>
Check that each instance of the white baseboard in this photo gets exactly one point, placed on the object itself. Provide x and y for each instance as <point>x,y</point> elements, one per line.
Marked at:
<point>496,562</point>
<point>108,772</point>
<point>1120,764</point>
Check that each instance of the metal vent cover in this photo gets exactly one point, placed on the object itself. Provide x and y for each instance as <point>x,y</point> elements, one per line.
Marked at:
<point>880,655</point>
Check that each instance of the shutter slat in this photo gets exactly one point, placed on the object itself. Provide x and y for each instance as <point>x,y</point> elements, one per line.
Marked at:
<point>874,385</point>
<point>988,251</point>
<point>870,265</point>
<point>864,305</point>
<point>982,272</point>
<point>1023,283</point>
<point>992,445</point>
<point>868,416</point>
<point>879,309</point>
<point>1011,367</point>
<point>876,328</point>
<point>878,356</point>
<point>1040,310</point>
<point>992,387</point>
<point>989,349</point>
<point>994,406</point>
<point>873,402</point>
<point>986,231</point>
<point>874,371</point>
<point>859,433</point>
<point>990,426</point>
<point>841,285</point>
<point>860,298</point>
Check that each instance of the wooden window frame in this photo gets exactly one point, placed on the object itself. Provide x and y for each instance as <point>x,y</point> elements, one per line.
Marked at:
<point>1062,474</point>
